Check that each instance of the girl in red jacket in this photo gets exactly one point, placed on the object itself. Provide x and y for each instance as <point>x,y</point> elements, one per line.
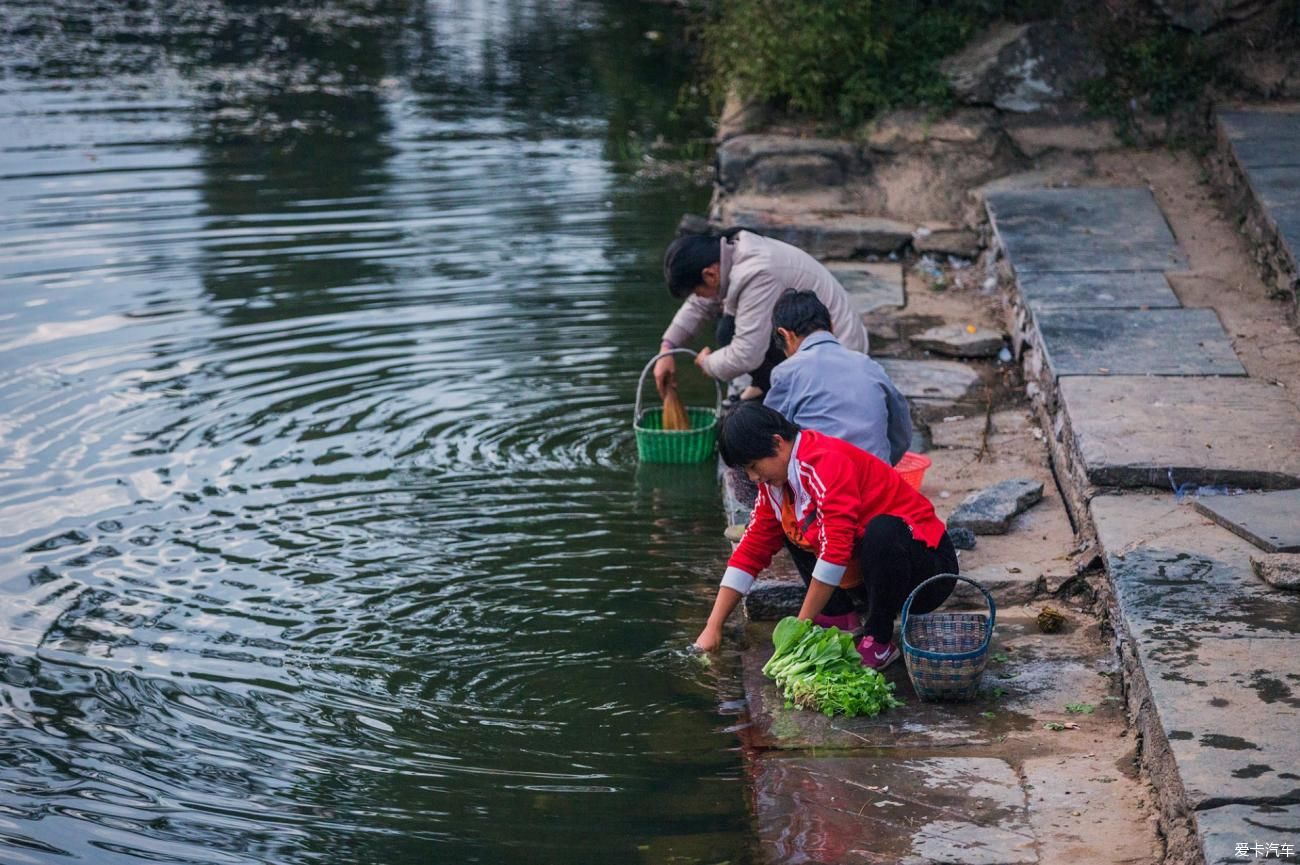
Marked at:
<point>861,538</point>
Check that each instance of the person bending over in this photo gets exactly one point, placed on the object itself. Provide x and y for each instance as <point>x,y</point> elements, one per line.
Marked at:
<point>865,538</point>
<point>737,279</point>
<point>825,387</point>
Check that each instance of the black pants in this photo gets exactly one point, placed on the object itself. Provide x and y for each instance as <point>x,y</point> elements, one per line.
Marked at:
<point>761,377</point>
<point>893,563</point>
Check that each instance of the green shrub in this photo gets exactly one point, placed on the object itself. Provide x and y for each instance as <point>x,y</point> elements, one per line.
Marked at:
<point>840,61</point>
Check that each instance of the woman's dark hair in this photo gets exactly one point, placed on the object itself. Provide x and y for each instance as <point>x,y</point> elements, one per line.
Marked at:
<point>746,433</point>
<point>800,312</point>
<point>686,258</point>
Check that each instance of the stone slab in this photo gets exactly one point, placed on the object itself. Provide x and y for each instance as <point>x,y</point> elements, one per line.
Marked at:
<point>870,285</point>
<point>1075,230</point>
<point>1219,650</point>
<point>1270,521</point>
<point>1132,431</point>
<point>1277,186</point>
<point>931,380</point>
<point>825,809</point>
<point>1279,570</point>
<point>1164,342</point>
<point>1262,138</point>
<point>1287,220</point>
<point>1222,829</point>
<point>828,237</point>
<point>959,340</point>
<point>1100,290</point>
<point>773,600</point>
<point>989,511</point>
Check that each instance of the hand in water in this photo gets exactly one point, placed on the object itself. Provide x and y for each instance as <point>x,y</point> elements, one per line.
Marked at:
<point>709,640</point>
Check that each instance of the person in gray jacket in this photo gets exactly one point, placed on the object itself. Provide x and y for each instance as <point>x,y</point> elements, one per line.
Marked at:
<point>825,387</point>
<point>738,277</point>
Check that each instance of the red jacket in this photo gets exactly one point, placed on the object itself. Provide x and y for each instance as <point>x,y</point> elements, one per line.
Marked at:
<point>837,490</point>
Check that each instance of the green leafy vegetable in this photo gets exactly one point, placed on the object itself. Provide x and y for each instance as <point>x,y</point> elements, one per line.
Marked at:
<point>820,669</point>
<point>1079,708</point>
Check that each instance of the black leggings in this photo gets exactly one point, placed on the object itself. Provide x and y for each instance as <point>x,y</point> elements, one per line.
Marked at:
<point>893,563</point>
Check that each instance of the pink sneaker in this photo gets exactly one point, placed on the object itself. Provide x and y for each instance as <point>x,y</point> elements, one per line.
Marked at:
<point>847,622</point>
<point>875,655</point>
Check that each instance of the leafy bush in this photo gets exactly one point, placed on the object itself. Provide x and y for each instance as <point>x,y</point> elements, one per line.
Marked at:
<point>843,60</point>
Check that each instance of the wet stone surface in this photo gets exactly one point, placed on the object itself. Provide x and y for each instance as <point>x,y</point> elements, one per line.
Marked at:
<point>1133,431</point>
<point>1099,290</point>
<point>1136,342</point>
<point>1270,521</point>
<point>1220,651</point>
<point>990,511</point>
<point>1075,230</point>
<point>1222,829</point>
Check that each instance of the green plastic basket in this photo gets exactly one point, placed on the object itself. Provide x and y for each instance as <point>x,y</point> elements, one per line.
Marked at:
<point>654,444</point>
<point>946,653</point>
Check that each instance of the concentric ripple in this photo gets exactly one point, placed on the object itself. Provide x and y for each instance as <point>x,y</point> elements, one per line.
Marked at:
<point>322,537</point>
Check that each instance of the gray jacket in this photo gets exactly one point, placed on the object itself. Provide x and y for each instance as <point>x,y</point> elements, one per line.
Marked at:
<point>755,271</point>
<point>825,387</point>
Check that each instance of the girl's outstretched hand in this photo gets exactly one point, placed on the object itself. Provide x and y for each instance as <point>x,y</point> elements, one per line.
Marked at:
<point>709,639</point>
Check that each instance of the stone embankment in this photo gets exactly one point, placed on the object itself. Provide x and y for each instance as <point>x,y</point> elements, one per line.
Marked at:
<point>1154,403</point>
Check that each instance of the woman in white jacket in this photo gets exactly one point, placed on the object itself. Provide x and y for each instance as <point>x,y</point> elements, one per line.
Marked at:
<point>737,279</point>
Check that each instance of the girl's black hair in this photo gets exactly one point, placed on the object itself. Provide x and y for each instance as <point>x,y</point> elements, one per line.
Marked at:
<point>746,433</point>
<point>800,312</point>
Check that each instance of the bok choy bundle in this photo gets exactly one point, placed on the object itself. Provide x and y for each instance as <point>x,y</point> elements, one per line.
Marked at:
<point>820,669</point>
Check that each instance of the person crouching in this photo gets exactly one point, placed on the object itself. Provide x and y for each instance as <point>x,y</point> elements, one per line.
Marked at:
<point>861,538</point>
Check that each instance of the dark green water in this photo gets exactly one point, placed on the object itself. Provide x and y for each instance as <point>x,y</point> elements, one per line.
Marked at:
<point>322,537</point>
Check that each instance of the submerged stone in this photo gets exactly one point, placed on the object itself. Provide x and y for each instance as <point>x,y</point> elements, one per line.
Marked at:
<point>990,510</point>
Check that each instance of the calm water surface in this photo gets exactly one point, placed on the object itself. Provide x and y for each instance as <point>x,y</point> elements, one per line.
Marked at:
<point>322,537</point>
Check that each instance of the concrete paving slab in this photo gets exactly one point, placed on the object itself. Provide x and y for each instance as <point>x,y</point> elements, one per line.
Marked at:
<point>863,810</point>
<point>1133,431</point>
<point>1100,290</point>
<point>1090,229</point>
<point>1136,342</point>
<point>1262,138</point>
<point>1270,521</point>
<point>1218,649</point>
<point>870,285</point>
<point>934,381</point>
<point>1224,829</point>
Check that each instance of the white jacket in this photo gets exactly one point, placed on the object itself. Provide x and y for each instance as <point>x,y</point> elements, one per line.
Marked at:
<point>755,272</point>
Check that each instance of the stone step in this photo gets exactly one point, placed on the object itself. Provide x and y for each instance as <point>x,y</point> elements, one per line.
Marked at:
<point>826,236</point>
<point>1100,290</point>
<point>1215,654</point>
<point>1133,431</point>
<point>1166,342</point>
<point>1082,230</point>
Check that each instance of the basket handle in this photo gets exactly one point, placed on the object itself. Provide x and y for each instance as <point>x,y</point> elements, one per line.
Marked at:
<point>993,608</point>
<point>640,385</point>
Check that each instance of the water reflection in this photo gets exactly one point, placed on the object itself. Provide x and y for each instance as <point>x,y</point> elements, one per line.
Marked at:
<point>321,536</point>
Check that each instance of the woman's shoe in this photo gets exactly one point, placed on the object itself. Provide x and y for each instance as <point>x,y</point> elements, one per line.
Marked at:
<point>877,656</point>
<point>846,622</point>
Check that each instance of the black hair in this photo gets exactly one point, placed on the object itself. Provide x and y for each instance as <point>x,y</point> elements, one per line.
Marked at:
<point>746,433</point>
<point>800,312</point>
<point>685,260</point>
